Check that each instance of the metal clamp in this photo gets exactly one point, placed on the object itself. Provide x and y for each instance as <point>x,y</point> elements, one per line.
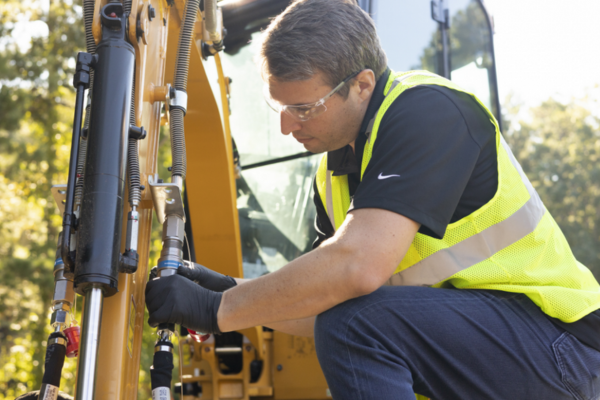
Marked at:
<point>59,192</point>
<point>179,100</point>
<point>167,199</point>
<point>58,340</point>
<point>168,349</point>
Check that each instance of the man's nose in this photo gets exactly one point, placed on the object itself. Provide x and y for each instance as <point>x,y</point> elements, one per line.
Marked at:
<point>288,123</point>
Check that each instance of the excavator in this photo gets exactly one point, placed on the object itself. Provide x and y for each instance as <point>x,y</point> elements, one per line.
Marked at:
<point>239,196</point>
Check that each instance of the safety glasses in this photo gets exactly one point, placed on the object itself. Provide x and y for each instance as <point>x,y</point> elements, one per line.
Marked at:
<point>304,112</point>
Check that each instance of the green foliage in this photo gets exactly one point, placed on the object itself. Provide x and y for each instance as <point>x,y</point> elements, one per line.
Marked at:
<point>559,149</point>
<point>36,114</point>
<point>469,39</point>
<point>35,123</point>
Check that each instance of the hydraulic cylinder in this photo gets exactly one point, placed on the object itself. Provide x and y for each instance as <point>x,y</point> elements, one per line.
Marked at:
<point>100,222</point>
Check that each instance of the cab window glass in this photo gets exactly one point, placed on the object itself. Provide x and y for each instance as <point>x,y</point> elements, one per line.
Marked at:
<point>472,63</point>
<point>275,202</point>
<point>254,125</point>
<point>408,34</point>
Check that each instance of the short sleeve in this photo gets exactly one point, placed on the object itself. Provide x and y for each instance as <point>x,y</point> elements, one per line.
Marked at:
<point>422,160</point>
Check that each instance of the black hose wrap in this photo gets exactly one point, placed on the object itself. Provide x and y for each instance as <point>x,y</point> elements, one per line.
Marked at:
<point>133,159</point>
<point>133,162</point>
<point>55,359</point>
<point>90,44</point>
<point>182,64</point>
<point>162,366</point>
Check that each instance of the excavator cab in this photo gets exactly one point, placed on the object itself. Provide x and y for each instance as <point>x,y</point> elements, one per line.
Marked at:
<point>274,191</point>
<point>274,183</point>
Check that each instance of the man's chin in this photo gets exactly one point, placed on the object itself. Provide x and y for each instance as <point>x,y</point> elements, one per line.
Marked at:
<point>313,148</point>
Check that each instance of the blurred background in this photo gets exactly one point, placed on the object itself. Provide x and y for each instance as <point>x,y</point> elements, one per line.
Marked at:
<point>547,62</point>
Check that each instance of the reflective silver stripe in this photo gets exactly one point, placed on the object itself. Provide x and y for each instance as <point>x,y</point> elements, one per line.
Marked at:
<point>370,127</point>
<point>405,77</point>
<point>329,199</point>
<point>445,263</point>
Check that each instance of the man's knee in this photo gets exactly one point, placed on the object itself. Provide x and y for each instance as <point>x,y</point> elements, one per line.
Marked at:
<point>333,324</point>
<point>327,323</point>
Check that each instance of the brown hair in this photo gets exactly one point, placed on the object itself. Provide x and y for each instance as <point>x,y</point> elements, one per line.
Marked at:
<point>334,37</point>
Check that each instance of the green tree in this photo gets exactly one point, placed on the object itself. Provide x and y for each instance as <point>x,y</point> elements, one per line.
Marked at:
<point>36,101</point>
<point>36,116</point>
<point>559,149</point>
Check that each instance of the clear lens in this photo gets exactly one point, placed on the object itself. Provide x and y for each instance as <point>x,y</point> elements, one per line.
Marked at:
<point>304,113</point>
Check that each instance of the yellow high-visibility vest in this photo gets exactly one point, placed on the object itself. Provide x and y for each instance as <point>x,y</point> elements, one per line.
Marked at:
<point>511,243</point>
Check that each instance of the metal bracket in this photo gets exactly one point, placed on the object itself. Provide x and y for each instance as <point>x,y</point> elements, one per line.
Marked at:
<point>179,100</point>
<point>440,13</point>
<point>59,192</point>
<point>166,198</point>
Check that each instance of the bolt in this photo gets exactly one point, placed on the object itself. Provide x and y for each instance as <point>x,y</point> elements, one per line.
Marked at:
<point>151,12</point>
<point>248,348</point>
<point>279,367</point>
<point>207,349</point>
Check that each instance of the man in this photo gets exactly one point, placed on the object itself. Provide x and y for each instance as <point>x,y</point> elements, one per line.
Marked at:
<point>416,183</point>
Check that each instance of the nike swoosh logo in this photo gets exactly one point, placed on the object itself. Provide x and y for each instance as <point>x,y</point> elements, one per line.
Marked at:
<point>381,176</point>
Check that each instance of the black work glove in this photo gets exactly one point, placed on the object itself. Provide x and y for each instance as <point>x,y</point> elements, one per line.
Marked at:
<point>177,300</point>
<point>205,277</point>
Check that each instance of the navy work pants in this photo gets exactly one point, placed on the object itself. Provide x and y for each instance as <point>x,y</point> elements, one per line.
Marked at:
<point>451,344</point>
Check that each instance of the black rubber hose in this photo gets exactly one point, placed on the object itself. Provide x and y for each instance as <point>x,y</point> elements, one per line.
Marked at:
<point>133,162</point>
<point>162,366</point>
<point>180,83</point>
<point>55,359</point>
<point>90,43</point>
<point>68,215</point>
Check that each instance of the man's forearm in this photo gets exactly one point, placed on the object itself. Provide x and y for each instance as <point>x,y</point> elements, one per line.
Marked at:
<point>356,261</point>
<point>304,288</point>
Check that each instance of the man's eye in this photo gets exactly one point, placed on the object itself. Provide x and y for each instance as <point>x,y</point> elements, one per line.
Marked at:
<point>304,110</point>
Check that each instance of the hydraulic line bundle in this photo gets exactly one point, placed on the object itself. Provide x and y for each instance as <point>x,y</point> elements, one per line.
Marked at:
<point>104,153</point>
<point>173,234</point>
<point>88,257</point>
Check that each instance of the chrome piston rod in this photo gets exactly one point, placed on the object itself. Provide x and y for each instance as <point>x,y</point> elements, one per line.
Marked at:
<point>90,338</point>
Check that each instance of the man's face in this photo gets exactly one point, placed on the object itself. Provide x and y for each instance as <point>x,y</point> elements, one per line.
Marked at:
<point>333,129</point>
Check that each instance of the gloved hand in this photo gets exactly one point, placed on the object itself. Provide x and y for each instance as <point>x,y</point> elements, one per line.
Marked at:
<point>205,277</point>
<point>177,300</point>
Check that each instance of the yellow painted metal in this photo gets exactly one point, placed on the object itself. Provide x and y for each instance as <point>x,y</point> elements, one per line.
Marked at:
<point>211,192</point>
<point>297,372</point>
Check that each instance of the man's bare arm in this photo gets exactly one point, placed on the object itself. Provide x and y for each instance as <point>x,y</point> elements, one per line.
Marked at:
<point>361,256</point>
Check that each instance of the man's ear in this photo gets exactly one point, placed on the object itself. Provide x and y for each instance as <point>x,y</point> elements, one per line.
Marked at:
<point>365,83</point>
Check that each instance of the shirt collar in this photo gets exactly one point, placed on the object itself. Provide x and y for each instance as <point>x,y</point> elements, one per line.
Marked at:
<point>344,161</point>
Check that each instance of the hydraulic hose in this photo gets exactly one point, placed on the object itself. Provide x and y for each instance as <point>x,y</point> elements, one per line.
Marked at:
<point>162,369</point>
<point>133,159</point>
<point>180,84</point>
<point>210,18</point>
<point>90,43</point>
<point>53,365</point>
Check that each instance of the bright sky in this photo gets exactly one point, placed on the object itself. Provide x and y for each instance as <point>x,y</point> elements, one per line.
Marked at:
<point>546,48</point>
